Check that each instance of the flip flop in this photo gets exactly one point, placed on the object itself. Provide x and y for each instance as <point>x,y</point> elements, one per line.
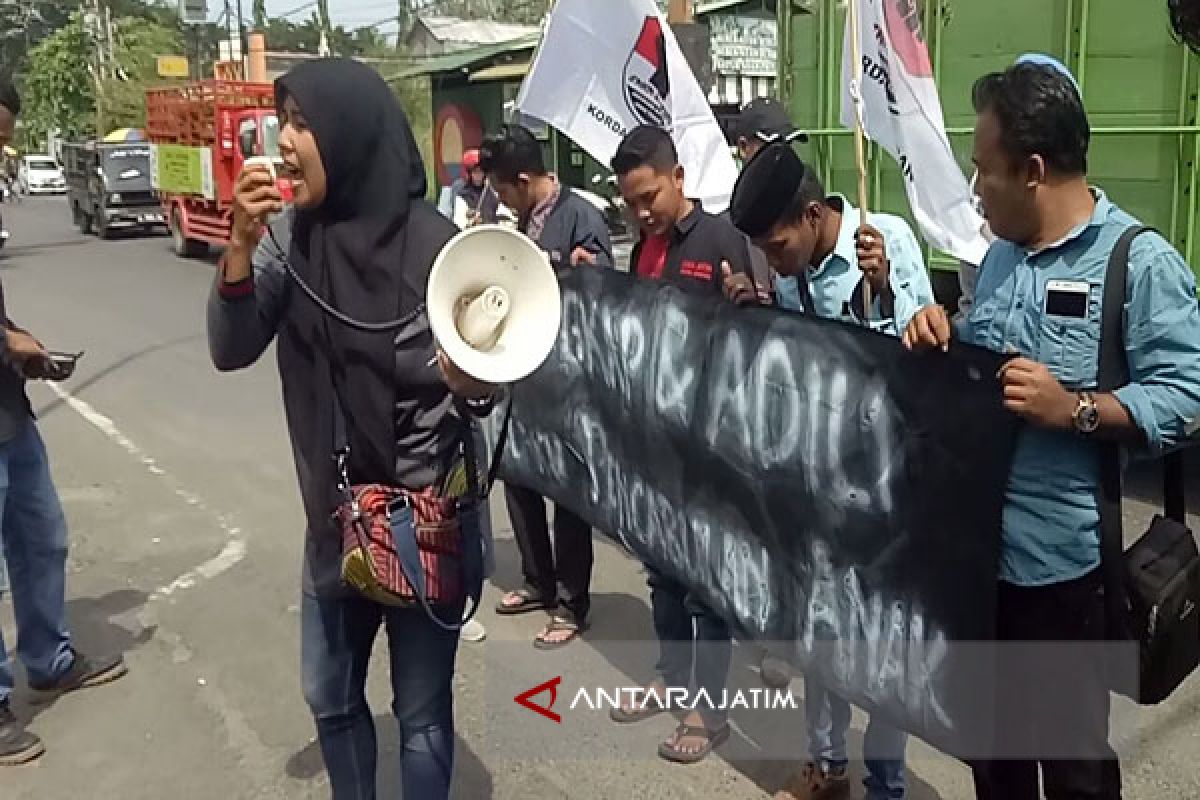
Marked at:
<point>530,601</point>
<point>712,740</point>
<point>651,706</point>
<point>559,624</point>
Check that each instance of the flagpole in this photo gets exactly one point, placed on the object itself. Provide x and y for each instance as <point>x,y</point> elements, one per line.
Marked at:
<point>860,154</point>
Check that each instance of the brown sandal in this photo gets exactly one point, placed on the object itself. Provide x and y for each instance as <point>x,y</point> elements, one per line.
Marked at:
<point>559,624</point>
<point>529,600</point>
<point>652,704</point>
<point>712,740</point>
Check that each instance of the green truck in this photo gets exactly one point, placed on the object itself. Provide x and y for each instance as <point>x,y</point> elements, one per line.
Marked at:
<point>1139,86</point>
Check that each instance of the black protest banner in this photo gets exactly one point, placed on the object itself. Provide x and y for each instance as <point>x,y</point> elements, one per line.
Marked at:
<point>812,482</point>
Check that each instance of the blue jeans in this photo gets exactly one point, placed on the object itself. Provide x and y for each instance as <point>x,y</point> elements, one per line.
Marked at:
<point>688,652</point>
<point>337,634</point>
<point>827,717</point>
<point>34,533</point>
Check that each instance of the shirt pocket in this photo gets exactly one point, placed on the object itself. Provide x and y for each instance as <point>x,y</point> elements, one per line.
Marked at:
<point>984,328</point>
<point>1070,346</point>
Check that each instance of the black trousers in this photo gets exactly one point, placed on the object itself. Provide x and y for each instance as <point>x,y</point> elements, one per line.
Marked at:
<point>1052,697</point>
<point>568,563</point>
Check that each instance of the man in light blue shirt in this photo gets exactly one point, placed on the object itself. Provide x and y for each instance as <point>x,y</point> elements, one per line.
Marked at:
<point>823,240</point>
<point>1039,299</point>
<point>781,205</point>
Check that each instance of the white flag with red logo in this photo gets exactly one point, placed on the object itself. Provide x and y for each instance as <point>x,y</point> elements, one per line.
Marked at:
<point>903,114</point>
<point>603,68</point>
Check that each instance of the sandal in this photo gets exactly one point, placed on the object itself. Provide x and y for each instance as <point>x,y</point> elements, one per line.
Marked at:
<point>651,705</point>
<point>712,740</point>
<point>528,600</point>
<point>559,624</point>
<point>813,782</point>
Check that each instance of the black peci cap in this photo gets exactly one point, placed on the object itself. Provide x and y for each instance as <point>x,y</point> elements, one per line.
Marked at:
<point>766,188</point>
<point>765,119</point>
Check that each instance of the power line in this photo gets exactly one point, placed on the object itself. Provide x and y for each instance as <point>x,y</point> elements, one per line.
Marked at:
<point>295,10</point>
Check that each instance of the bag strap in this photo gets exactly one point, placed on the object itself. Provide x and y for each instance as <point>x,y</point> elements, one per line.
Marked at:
<point>330,311</point>
<point>1112,374</point>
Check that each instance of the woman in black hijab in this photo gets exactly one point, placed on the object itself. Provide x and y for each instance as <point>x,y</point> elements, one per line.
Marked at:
<point>361,236</point>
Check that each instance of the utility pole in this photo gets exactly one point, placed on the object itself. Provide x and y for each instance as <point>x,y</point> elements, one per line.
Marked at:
<point>679,12</point>
<point>241,37</point>
<point>113,65</point>
<point>228,23</point>
<point>98,58</point>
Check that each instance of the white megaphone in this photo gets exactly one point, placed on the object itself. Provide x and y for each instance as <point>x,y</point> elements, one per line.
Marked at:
<point>493,304</point>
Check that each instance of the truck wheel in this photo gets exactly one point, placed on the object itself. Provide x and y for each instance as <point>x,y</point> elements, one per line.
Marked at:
<point>183,246</point>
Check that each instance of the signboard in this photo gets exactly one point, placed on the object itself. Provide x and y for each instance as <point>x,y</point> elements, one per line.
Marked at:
<point>193,12</point>
<point>179,169</point>
<point>743,45</point>
<point>173,67</point>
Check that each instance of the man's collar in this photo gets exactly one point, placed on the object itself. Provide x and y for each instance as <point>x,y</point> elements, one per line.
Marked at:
<point>845,247</point>
<point>1100,215</point>
<point>684,226</point>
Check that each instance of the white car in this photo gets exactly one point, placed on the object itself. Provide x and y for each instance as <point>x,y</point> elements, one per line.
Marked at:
<point>41,175</point>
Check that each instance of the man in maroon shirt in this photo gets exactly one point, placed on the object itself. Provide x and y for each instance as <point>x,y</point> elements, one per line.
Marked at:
<point>685,246</point>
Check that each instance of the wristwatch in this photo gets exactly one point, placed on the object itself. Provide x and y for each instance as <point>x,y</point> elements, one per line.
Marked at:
<point>1087,414</point>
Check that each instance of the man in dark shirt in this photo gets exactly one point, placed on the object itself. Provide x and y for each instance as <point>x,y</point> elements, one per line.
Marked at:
<point>34,530</point>
<point>680,242</point>
<point>683,245</point>
<point>572,232</point>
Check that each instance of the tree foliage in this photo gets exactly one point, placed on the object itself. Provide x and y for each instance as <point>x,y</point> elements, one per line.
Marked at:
<point>59,89</point>
<point>139,42</point>
<point>66,90</point>
<point>25,23</point>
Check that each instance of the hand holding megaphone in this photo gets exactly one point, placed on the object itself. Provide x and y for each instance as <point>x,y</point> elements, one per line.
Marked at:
<point>460,383</point>
<point>494,307</point>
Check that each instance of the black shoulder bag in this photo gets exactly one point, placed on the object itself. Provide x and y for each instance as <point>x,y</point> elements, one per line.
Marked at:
<point>1152,590</point>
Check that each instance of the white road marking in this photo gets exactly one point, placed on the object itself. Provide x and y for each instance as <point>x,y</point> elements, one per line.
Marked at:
<point>235,545</point>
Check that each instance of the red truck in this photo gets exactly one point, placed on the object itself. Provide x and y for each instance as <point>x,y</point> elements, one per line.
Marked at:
<point>201,134</point>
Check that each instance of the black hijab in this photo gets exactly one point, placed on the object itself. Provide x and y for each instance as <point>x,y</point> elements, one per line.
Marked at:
<point>358,251</point>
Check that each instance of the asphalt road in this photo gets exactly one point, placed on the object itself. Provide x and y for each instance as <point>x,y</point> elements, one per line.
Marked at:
<point>185,537</point>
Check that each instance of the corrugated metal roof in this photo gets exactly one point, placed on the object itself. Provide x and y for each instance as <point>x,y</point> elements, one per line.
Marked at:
<point>475,31</point>
<point>501,72</point>
<point>717,5</point>
<point>462,59</point>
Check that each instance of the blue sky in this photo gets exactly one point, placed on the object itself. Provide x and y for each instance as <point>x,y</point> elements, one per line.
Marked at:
<point>350,13</point>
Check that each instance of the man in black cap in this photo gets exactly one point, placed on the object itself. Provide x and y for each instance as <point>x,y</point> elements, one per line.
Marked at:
<point>1185,21</point>
<point>780,204</point>
<point>761,122</point>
